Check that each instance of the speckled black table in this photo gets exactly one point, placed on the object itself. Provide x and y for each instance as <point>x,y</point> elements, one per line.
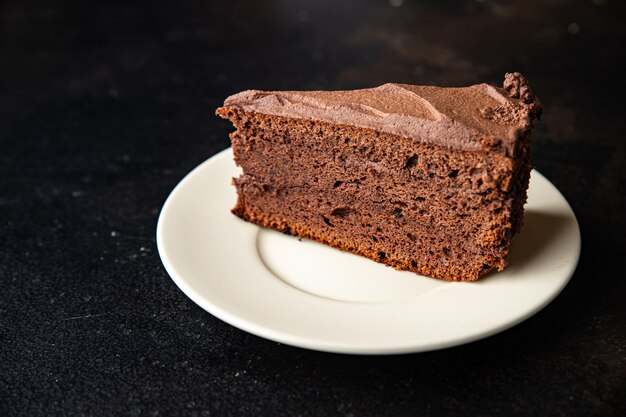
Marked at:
<point>104,107</point>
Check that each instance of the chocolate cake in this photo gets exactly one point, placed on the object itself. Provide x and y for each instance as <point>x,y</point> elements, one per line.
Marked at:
<point>426,179</point>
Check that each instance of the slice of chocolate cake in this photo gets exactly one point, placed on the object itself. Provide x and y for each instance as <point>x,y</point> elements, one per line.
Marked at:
<point>427,179</point>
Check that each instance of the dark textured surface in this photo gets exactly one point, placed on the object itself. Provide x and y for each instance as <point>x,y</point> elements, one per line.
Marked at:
<point>104,108</point>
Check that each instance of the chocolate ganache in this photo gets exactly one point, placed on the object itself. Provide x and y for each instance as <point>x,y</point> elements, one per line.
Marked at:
<point>478,117</point>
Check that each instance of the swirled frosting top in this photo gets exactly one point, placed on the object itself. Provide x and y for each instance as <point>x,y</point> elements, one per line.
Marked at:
<point>479,117</point>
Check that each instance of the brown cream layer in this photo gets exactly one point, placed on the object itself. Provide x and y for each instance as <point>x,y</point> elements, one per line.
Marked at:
<point>479,117</point>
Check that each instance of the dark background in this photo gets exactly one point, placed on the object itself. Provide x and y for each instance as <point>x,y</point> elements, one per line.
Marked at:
<point>104,107</point>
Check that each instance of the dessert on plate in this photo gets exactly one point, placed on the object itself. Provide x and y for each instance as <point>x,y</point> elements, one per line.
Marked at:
<point>421,178</point>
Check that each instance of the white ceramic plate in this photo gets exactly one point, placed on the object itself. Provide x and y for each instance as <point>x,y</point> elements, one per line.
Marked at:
<point>305,294</point>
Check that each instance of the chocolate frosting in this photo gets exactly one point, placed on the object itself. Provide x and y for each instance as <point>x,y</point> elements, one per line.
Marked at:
<point>479,117</point>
